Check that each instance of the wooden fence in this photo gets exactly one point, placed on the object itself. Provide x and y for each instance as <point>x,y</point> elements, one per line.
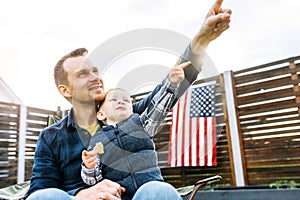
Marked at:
<point>257,119</point>
<point>12,149</point>
<point>9,124</point>
<point>267,109</point>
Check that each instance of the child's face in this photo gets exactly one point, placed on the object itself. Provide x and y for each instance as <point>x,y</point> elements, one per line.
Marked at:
<point>116,107</point>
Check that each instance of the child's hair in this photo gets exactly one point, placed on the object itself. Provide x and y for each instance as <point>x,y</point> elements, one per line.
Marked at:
<point>108,91</point>
<point>113,89</point>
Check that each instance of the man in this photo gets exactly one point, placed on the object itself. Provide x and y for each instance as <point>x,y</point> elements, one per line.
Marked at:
<point>58,154</point>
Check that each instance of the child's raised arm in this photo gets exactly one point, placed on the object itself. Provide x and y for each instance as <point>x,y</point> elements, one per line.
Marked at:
<point>176,74</point>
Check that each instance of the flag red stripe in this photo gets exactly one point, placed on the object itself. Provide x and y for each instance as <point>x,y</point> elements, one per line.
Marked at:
<point>198,142</point>
<point>214,142</point>
<point>205,142</point>
<point>176,133</point>
<point>171,141</point>
<point>190,142</point>
<point>185,104</point>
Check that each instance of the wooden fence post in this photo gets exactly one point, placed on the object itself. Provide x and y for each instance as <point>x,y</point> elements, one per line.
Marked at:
<point>22,143</point>
<point>233,132</point>
<point>227,129</point>
<point>294,76</point>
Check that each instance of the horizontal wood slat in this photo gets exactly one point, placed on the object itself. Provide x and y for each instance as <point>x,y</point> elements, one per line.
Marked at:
<point>268,107</point>
<point>265,87</point>
<point>265,74</point>
<point>268,96</point>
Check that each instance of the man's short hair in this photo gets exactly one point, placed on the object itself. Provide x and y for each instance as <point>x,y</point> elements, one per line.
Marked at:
<point>60,75</point>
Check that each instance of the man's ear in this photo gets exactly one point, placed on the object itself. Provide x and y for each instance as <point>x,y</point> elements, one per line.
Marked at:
<point>64,90</point>
<point>101,116</point>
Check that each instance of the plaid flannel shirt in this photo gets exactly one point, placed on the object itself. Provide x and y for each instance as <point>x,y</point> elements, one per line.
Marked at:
<point>160,105</point>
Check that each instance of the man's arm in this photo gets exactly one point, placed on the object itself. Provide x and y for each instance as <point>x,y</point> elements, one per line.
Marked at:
<point>45,173</point>
<point>215,23</point>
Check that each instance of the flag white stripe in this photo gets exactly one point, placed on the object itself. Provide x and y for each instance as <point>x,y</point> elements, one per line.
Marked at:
<point>181,125</point>
<point>194,144</point>
<point>187,130</point>
<point>173,137</point>
<point>201,149</point>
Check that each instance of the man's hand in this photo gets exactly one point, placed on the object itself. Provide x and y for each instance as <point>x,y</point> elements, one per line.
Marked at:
<point>105,190</point>
<point>215,23</point>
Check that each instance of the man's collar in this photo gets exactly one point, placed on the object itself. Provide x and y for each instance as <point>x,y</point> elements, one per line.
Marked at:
<point>71,122</point>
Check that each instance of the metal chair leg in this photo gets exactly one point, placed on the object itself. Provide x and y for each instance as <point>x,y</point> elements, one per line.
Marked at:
<point>202,183</point>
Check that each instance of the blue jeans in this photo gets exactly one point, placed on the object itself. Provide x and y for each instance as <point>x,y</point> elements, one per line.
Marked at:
<point>49,194</point>
<point>156,190</point>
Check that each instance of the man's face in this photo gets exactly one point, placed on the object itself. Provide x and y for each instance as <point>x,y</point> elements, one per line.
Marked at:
<point>85,84</point>
<point>117,106</point>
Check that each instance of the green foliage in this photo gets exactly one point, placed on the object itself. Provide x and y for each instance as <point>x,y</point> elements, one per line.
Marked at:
<point>284,184</point>
<point>212,186</point>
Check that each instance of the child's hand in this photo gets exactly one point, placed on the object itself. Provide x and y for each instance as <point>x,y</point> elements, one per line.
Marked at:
<point>89,158</point>
<point>176,74</point>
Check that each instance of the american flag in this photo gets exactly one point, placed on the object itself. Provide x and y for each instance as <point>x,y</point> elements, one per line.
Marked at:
<point>193,129</point>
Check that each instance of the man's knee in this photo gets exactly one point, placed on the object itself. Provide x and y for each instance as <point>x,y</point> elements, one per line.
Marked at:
<point>157,190</point>
<point>49,194</point>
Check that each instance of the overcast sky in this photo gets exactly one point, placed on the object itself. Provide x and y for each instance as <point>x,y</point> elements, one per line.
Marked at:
<point>35,34</point>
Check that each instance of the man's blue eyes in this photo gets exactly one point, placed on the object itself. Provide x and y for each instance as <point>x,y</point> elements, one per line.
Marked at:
<point>85,73</point>
<point>96,72</point>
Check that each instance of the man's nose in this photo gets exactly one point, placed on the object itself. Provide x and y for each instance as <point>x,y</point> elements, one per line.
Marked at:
<point>95,77</point>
